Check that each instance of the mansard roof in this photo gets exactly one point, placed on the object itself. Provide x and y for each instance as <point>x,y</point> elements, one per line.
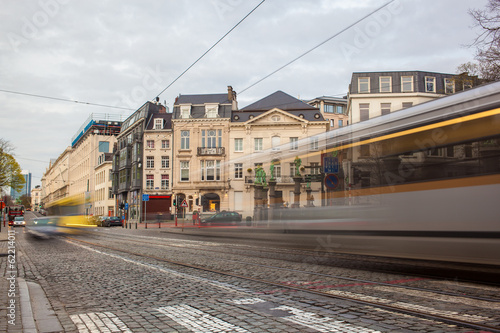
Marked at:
<point>279,100</point>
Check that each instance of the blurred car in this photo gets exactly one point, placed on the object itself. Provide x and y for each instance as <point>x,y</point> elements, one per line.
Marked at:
<point>113,221</point>
<point>223,218</point>
<point>18,222</point>
<point>43,227</point>
<point>11,223</point>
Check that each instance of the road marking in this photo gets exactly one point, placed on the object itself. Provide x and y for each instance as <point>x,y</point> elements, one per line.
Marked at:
<point>221,285</point>
<point>320,324</point>
<point>198,321</point>
<point>105,322</point>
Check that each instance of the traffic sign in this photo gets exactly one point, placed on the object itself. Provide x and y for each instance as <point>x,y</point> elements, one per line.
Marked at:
<point>331,181</point>
<point>330,164</point>
<point>184,203</point>
<point>145,197</point>
<point>126,206</point>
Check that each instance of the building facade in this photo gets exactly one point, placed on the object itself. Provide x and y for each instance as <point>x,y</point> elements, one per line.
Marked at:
<point>36,198</point>
<point>73,173</point>
<point>129,164</point>
<point>104,204</point>
<point>270,134</point>
<point>373,94</point>
<point>201,172</point>
<point>333,109</point>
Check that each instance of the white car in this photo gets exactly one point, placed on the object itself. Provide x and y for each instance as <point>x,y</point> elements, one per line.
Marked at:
<point>19,222</point>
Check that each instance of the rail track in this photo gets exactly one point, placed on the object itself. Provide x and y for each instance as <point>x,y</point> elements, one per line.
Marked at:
<point>462,309</point>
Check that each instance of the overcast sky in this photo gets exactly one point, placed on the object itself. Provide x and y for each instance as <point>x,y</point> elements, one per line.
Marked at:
<point>122,53</point>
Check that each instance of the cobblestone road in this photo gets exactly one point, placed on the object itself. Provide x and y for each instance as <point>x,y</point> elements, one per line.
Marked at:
<point>93,289</point>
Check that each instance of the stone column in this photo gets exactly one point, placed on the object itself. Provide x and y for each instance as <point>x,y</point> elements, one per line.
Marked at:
<point>296,192</point>
<point>257,215</point>
<point>272,200</point>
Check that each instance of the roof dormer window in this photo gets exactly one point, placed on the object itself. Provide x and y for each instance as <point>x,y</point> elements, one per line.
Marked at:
<point>185,111</point>
<point>158,123</point>
<point>211,111</point>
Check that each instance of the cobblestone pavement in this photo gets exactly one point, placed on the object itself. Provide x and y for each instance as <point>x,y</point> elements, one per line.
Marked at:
<point>94,289</point>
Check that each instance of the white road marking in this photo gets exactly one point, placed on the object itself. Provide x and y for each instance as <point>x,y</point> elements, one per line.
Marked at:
<point>99,322</point>
<point>198,321</point>
<point>320,324</point>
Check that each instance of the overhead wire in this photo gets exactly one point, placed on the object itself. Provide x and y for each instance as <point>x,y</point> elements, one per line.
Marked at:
<point>63,99</point>
<point>206,52</point>
<point>315,47</point>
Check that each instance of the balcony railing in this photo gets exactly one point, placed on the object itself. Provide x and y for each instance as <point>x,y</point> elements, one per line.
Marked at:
<point>211,151</point>
<point>279,180</point>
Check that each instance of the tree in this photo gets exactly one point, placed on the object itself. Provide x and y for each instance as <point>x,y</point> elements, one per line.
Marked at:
<point>10,171</point>
<point>487,42</point>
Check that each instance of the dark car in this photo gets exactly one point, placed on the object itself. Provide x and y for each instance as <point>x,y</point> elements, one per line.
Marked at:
<point>223,218</point>
<point>113,221</point>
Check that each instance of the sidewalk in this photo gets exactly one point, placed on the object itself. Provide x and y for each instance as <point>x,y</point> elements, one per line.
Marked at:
<point>24,308</point>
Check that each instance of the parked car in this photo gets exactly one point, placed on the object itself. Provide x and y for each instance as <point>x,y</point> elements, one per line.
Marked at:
<point>19,222</point>
<point>223,218</point>
<point>112,222</point>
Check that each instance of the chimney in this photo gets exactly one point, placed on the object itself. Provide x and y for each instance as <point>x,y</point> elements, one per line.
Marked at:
<point>231,95</point>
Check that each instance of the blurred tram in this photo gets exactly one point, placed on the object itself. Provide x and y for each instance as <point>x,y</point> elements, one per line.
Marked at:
<point>65,216</point>
<point>422,183</point>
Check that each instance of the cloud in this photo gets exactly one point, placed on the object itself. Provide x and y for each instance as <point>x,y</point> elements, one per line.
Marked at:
<point>122,53</point>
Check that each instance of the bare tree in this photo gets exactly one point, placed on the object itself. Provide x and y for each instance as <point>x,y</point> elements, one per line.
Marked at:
<point>487,42</point>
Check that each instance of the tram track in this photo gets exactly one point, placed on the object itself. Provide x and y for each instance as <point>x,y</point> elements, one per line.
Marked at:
<point>245,253</point>
<point>447,317</point>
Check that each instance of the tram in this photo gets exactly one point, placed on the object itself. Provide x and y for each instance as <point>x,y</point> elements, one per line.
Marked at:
<point>421,183</point>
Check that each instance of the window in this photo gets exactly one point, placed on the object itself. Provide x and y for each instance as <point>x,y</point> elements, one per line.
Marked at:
<point>385,108</point>
<point>164,182</point>
<point>211,138</point>
<point>211,111</point>
<point>315,168</point>
<point>165,144</point>
<point>277,172</point>
<point>407,105</point>
<point>210,170</point>
<point>294,143</point>
<point>150,182</point>
<point>158,123</point>
<point>467,84</point>
<point>363,85</point>
<point>449,86</point>
<point>314,143</point>
<point>184,171</point>
<point>185,111</point>
<point>150,144</point>
<point>258,144</point>
<point>341,123</point>
<point>184,139</point>
<point>293,169</point>
<point>385,84</point>
<point>430,84</point>
<point>407,84</point>
<point>340,109</point>
<point>364,111</point>
<point>150,162</point>
<point>238,144</point>
<point>165,162</point>
<point>328,108</point>
<point>238,170</point>
<point>275,142</point>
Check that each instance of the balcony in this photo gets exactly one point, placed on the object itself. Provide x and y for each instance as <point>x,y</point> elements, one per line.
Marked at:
<point>279,180</point>
<point>211,151</point>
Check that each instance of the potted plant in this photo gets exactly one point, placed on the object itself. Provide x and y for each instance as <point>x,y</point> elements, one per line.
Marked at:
<point>249,170</point>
